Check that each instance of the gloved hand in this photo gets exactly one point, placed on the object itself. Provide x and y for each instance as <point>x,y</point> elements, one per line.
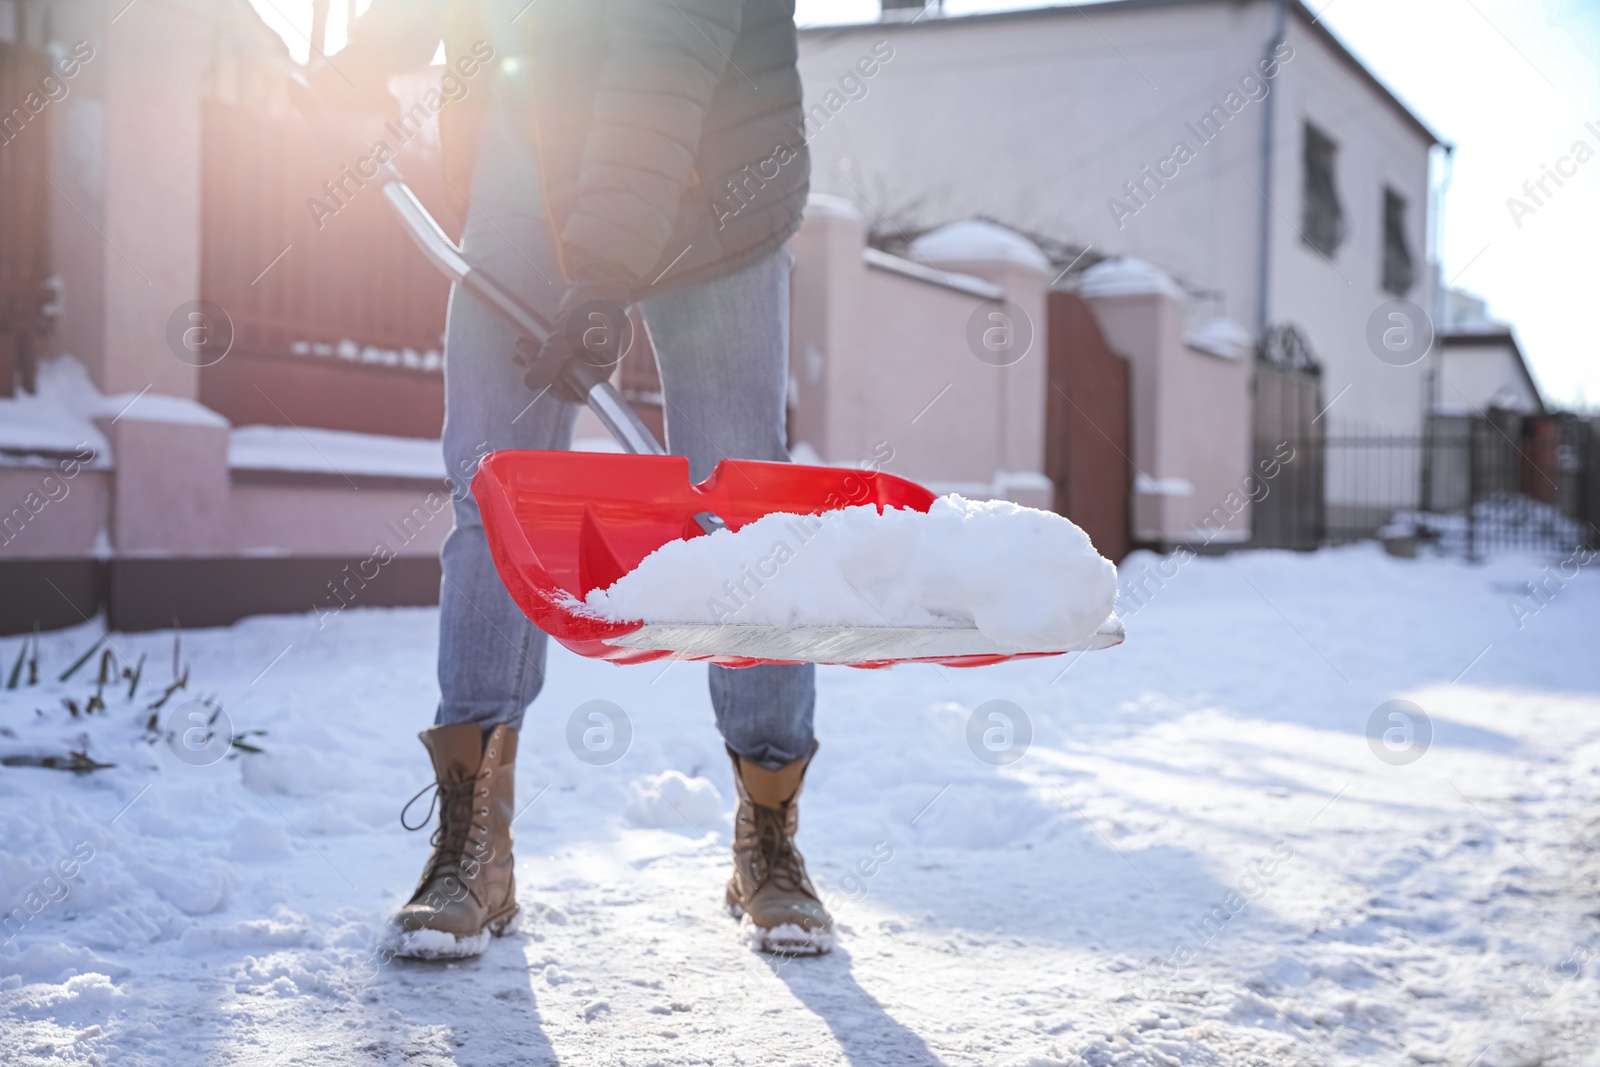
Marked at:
<point>591,324</point>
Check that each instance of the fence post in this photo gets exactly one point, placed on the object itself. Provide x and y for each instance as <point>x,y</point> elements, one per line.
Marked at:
<point>1473,477</point>
<point>1589,482</point>
<point>1425,467</point>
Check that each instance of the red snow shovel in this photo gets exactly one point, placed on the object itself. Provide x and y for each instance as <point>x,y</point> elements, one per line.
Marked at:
<point>560,524</point>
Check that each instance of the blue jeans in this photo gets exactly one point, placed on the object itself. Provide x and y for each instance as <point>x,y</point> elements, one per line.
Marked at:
<point>723,352</point>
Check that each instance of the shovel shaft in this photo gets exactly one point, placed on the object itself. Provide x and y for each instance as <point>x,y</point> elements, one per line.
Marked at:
<point>617,414</point>
<point>614,412</point>
<point>442,252</point>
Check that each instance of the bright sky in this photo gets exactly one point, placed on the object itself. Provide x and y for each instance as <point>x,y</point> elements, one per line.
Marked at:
<point>292,20</point>
<point>1512,83</point>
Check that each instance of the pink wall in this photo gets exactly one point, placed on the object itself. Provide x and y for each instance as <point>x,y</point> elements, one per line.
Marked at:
<point>170,495</point>
<point>49,515</point>
<point>338,521</point>
<point>881,362</point>
<point>1191,422</point>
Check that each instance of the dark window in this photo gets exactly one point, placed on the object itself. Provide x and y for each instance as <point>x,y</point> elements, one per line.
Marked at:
<point>1322,219</point>
<point>1397,270</point>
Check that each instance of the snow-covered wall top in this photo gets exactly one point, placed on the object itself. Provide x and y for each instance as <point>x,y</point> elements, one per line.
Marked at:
<point>976,241</point>
<point>1128,276</point>
<point>288,448</point>
<point>1221,337</point>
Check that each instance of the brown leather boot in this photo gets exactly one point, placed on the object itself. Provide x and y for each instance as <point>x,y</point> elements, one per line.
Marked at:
<point>467,891</point>
<point>769,887</point>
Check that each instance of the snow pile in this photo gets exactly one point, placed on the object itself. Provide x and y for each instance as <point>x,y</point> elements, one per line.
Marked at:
<point>1027,579</point>
<point>62,415</point>
<point>57,418</point>
<point>671,799</point>
<point>1501,521</point>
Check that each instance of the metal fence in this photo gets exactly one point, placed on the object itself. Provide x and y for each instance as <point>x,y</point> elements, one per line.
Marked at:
<point>1466,485</point>
<point>337,321</point>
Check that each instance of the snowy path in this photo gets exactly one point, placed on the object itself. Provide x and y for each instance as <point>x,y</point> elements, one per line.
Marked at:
<point>1070,907</point>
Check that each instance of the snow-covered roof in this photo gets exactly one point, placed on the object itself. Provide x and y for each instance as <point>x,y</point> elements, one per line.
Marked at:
<point>977,241</point>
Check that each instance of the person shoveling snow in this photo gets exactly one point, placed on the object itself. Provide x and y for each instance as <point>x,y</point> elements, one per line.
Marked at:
<point>597,146</point>
<point>1028,580</point>
<point>594,142</point>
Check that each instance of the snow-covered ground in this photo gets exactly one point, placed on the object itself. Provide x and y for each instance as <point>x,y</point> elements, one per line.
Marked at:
<point>1199,858</point>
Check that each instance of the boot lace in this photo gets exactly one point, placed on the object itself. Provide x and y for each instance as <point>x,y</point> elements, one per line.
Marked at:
<point>458,818</point>
<point>775,860</point>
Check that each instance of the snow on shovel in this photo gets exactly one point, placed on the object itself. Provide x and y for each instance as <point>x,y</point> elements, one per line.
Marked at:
<point>607,554</point>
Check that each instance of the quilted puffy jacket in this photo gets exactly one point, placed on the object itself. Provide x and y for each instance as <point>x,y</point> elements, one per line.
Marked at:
<point>669,132</point>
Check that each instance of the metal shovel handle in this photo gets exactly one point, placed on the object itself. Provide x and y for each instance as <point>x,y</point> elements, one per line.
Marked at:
<point>602,397</point>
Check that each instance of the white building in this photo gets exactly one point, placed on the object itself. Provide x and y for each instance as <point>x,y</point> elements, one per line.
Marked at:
<point>1481,365</point>
<point>1140,128</point>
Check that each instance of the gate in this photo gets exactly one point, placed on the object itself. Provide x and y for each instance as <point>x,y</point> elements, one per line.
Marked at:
<point>24,216</point>
<point>1286,398</point>
<point>337,319</point>
<point>1088,421</point>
